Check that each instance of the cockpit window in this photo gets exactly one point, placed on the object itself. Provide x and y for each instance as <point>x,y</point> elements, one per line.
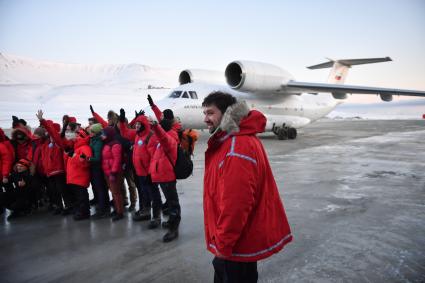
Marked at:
<point>193,94</point>
<point>185,95</point>
<point>175,94</point>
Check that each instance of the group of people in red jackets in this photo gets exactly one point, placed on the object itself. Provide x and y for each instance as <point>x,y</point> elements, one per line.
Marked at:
<point>59,163</point>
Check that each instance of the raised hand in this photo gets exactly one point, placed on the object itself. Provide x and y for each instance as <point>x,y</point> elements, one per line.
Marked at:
<point>39,115</point>
<point>122,115</point>
<point>150,100</point>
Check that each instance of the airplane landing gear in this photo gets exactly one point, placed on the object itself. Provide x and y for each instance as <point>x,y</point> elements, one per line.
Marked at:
<point>284,132</point>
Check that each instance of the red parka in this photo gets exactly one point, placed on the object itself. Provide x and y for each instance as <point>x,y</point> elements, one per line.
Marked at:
<point>78,169</point>
<point>112,158</point>
<point>141,151</point>
<point>6,156</point>
<point>53,154</point>
<point>53,159</point>
<point>38,155</point>
<point>243,213</point>
<point>23,150</point>
<point>164,157</point>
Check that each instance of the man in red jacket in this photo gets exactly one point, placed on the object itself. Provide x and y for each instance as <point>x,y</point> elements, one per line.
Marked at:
<point>244,216</point>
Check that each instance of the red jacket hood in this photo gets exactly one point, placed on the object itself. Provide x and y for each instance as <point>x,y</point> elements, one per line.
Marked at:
<point>144,121</point>
<point>252,124</point>
<point>239,120</point>
<point>23,130</point>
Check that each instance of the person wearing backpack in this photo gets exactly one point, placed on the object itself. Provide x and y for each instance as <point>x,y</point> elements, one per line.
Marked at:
<point>176,126</point>
<point>161,170</point>
<point>144,145</point>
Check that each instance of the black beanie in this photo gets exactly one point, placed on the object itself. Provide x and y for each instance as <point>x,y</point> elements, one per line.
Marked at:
<point>168,114</point>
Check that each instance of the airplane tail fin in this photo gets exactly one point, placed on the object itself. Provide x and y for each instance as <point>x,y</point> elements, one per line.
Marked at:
<point>340,68</point>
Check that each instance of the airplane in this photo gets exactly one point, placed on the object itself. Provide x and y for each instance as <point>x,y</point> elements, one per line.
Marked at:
<point>288,104</point>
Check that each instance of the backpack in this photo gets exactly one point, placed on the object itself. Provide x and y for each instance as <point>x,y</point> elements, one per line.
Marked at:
<point>188,138</point>
<point>184,165</point>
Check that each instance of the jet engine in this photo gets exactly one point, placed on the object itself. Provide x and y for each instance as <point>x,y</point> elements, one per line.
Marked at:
<point>386,97</point>
<point>256,76</point>
<point>198,75</point>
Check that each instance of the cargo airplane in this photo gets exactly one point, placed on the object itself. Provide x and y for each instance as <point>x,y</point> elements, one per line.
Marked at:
<point>288,104</point>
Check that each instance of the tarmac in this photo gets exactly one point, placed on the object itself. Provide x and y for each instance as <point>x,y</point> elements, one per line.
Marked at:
<point>354,194</point>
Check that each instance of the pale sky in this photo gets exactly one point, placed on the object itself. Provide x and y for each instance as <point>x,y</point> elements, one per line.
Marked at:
<point>210,34</point>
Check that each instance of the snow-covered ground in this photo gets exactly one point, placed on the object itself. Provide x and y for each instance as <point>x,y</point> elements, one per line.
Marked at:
<point>406,109</point>
<point>27,85</point>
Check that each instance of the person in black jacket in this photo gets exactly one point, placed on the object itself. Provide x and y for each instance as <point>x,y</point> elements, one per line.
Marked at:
<point>16,198</point>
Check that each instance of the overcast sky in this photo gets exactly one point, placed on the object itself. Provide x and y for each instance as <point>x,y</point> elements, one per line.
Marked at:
<point>210,34</point>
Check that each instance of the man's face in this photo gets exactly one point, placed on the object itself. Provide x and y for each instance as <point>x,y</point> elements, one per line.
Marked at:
<point>212,117</point>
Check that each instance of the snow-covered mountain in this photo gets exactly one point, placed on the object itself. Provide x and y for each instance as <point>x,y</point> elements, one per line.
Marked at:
<point>27,85</point>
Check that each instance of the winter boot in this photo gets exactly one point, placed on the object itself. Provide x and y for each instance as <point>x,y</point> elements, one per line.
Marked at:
<point>143,214</point>
<point>173,230</point>
<point>117,217</point>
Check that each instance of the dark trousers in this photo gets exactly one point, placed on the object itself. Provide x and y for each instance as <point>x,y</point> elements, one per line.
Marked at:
<point>170,192</point>
<point>82,206</point>
<point>115,187</point>
<point>226,271</point>
<point>149,195</point>
<point>38,188</point>
<point>100,189</point>
<point>16,200</point>
<point>56,185</point>
<point>69,196</point>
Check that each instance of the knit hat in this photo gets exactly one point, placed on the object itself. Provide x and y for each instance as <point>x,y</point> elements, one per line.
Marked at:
<point>109,134</point>
<point>24,162</point>
<point>168,114</point>
<point>40,132</point>
<point>96,128</point>
<point>72,120</point>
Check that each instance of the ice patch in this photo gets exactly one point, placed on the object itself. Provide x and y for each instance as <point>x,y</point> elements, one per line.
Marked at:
<point>330,208</point>
<point>349,196</point>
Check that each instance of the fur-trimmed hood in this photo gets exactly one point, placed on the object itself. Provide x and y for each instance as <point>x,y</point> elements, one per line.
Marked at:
<point>238,119</point>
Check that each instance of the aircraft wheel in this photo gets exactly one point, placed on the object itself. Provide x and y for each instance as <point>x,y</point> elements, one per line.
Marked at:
<point>292,133</point>
<point>282,134</point>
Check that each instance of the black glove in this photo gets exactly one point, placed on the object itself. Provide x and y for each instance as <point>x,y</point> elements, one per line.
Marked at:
<point>141,112</point>
<point>65,125</point>
<point>70,153</point>
<point>15,121</point>
<point>150,100</point>
<point>91,109</point>
<point>122,115</point>
<point>83,156</point>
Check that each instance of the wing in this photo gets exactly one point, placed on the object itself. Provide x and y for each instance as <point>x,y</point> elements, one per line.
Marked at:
<point>295,86</point>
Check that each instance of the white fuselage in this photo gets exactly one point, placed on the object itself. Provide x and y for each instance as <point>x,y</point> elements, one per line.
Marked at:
<point>292,110</point>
